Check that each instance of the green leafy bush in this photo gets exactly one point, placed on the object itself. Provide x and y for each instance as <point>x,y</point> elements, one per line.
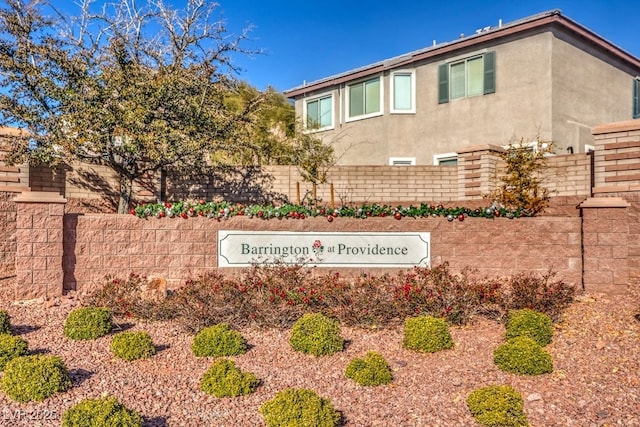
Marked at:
<point>88,323</point>
<point>529,323</point>
<point>105,411</point>
<point>132,345</point>
<point>10,348</point>
<point>427,334</point>
<point>299,407</point>
<point>497,406</point>
<point>5,322</point>
<point>372,370</point>
<point>522,355</point>
<point>37,377</point>
<point>316,334</point>
<point>218,340</point>
<point>224,379</point>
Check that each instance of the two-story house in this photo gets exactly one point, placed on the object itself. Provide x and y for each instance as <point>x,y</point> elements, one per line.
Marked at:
<point>543,76</point>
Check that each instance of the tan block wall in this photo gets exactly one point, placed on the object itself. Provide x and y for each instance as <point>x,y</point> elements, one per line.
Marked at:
<point>8,241</point>
<point>617,157</point>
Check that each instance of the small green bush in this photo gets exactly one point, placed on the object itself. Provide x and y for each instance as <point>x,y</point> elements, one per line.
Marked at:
<point>372,370</point>
<point>37,377</point>
<point>5,322</point>
<point>316,334</point>
<point>88,323</point>
<point>529,323</point>
<point>132,345</point>
<point>299,407</point>
<point>497,406</point>
<point>427,334</point>
<point>105,411</point>
<point>522,355</point>
<point>218,340</point>
<point>10,348</point>
<point>224,379</point>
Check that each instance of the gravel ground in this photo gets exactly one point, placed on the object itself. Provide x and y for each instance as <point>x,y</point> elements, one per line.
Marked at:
<point>596,378</point>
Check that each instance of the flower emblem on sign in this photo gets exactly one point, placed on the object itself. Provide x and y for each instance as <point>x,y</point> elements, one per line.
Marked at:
<point>317,248</point>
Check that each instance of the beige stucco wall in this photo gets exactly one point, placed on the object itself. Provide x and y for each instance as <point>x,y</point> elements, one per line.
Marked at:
<point>545,87</point>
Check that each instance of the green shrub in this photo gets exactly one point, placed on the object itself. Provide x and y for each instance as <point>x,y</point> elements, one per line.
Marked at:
<point>299,407</point>
<point>10,348</point>
<point>427,334</point>
<point>132,345</point>
<point>372,370</point>
<point>88,323</point>
<point>316,334</point>
<point>29,378</point>
<point>218,340</point>
<point>497,405</point>
<point>522,355</point>
<point>224,379</point>
<point>5,322</point>
<point>105,411</point>
<point>529,323</point>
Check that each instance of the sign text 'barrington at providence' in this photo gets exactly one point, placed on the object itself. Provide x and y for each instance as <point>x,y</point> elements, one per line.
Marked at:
<point>366,249</point>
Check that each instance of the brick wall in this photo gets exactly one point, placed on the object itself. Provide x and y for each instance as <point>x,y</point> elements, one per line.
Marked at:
<point>7,235</point>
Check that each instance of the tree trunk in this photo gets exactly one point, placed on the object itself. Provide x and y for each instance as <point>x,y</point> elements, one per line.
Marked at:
<point>126,189</point>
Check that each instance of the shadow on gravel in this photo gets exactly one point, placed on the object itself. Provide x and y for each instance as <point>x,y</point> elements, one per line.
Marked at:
<point>23,329</point>
<point>121,327</point>
<point>161,347</point>
<point>39,351</point>
<point>78,376</point>
<point>155,422</point>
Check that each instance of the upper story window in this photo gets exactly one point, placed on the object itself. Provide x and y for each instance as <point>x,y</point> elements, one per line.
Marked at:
<point>403,91</point>
<point>402,161</point>
<point>445,159</point>
<point>636,98</point>
<point>364,99</point>
<point>475,75</point>
<point>319,112</point>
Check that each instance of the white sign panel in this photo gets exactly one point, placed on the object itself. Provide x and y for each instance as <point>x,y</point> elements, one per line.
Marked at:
<point>327,249</point>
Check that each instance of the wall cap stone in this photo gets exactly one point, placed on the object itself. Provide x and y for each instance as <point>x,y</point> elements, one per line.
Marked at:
<point>481,147</point>
<point>39,197</point>
<point>625,126</point>
<point>605,202</point>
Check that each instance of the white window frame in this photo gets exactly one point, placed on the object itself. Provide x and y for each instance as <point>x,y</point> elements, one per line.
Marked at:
<point>347,102</point>
<point>318,97</point>
<point>402,161</point>
<point>438,158</point>
<point>392,108</point>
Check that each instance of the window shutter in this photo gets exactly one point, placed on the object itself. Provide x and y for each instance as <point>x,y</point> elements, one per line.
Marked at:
<point>443,83</point>
<point>636,98</point>
<point>489,72</point>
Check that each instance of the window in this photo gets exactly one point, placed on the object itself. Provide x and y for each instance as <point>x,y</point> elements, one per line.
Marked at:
<point>402,161</point>
<point>364,99</point>
<point>468,77</point>
<point>403,92</point>
<point>319,113</point>
<point>446,159</point>
<point>636,98</point>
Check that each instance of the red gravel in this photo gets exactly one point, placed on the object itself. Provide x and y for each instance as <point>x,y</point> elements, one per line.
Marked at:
<point>596,378</point>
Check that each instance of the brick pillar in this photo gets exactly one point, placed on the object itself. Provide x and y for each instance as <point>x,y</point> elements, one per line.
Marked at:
<point>605,244</point>
<point>39,245</point>
<point>477,170</point>
<point>617,157</point>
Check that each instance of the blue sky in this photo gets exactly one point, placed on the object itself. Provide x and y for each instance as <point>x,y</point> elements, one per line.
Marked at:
<point>310,40</point>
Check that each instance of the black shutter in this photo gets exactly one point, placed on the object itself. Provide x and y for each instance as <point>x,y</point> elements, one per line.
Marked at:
<point>489,72</point>
<point>443,83</point>
<point>636,98</point>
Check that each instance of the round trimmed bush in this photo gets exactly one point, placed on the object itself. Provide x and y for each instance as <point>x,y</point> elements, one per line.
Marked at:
<point>299,407</point>
<point>218,340</point>
<point>497,405</point>
<point>316,334</point>
<point>37,377</point>
<point>5,322</point>
<point>529,323</point>
<point>225,379</point>
<point>522,355</point>
<point>105,411</point>
<point>372,370</point>
<point>88,323</point>
<point>426,333</point>
<point>132,345</point>
<point>10,348</point>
